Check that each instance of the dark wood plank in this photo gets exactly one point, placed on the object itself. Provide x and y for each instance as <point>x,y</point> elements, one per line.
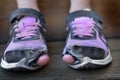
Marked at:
<point>110,11</point>
<point>6,7</point>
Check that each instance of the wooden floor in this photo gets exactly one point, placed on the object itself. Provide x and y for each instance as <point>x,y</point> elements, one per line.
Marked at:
<point>57,70</point>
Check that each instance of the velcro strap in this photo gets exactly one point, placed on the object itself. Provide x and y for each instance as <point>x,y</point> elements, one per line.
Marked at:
<point>18,13</point>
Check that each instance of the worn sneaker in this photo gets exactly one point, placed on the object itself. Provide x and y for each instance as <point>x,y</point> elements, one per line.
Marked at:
<point>26,43</point>
<point>85,41</point>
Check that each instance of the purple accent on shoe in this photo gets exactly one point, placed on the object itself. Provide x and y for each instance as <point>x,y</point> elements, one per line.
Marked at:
<point>86,25</point>
<point>27,45</point>
<point>83,26</point>
<point>26,27</point>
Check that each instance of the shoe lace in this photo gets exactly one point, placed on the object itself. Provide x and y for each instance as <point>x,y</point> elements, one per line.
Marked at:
<point>25,30</point>
<point>83,26</point>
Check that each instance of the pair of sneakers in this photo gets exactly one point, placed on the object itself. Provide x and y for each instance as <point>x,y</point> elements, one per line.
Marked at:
<point>85,41</point>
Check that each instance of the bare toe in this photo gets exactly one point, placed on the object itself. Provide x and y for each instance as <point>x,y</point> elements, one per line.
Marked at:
<point>43,60</point>
<point>68,59</point>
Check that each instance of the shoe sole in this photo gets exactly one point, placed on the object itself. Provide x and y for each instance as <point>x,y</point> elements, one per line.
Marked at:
<point>88,63</point>
<point>17,66</point>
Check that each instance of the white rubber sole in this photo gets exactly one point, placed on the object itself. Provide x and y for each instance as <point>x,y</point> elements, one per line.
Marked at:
<point>20,64</point>
<point>87,60</point>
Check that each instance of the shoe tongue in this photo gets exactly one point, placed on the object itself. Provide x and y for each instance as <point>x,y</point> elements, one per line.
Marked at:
<point>27,20</point>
